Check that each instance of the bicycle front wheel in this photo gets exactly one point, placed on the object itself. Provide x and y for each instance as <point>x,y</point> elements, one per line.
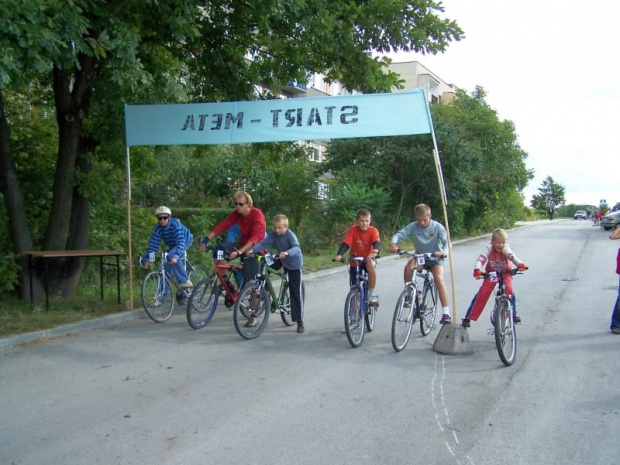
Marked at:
<point>251,310</point>
<point>505,334</point>
<point>202,303</point>
<point>354,324</point>
<point>428,308</point>
<point>157,296</point>
<point>371,313</point>
<point>402,322</point>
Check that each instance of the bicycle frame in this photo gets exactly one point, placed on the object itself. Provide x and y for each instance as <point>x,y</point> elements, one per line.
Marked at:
<point>265,272</point>
<point>360,279</point>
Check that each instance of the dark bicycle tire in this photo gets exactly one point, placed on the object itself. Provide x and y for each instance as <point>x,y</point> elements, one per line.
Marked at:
<point>505,333</point>
<point>247,307</point>
<point>403,319</point>
<point>202,303</point>
<point>354,323</point>
<point>428,308</point>
<point>370,317</point>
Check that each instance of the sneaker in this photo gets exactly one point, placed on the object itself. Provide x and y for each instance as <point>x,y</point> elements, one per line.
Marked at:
<point>374,300</point>
<point>300,327</point>
<point>465,323</point>
<point>186,285</point>
<point>445,319</point>
<point>251,322</point>
<point>615,330</point>
<point>516,319</point>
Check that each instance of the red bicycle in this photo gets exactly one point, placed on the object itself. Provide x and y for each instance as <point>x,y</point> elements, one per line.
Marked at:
<point>203,301</point>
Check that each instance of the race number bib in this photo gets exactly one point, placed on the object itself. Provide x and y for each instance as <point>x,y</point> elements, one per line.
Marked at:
<point>220,255</point>
<point>269,259</point>
<point>493,277</point>
<point>421,260</point>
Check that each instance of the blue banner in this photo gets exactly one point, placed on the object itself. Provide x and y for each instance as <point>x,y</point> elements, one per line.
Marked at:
<point>309,118</point>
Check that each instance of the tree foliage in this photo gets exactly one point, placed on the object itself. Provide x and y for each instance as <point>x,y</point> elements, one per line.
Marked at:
<point>91,56</point>
<point>482,163</point>
<point>550,196</point>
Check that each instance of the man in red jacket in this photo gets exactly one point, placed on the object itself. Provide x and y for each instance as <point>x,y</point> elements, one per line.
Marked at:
<point>252,225</point>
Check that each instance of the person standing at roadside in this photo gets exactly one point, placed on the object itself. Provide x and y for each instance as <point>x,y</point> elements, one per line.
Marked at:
<point>615,316</point>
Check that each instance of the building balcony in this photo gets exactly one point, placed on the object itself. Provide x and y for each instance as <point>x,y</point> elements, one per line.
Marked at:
<point>295,87</point>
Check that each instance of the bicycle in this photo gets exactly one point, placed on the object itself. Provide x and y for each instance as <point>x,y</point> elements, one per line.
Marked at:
<point>502,318</point>
<point>419,300</point>
<point>250,314</point>
<point>359,315</point>
<point>156,289</point>
<point>203,299</point>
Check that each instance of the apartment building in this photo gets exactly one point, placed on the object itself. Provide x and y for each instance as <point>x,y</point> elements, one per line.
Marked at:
<point>418,76</point>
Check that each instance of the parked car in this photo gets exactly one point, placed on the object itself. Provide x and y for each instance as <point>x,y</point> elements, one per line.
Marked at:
<point>580,215</point>
<point>611,220</point>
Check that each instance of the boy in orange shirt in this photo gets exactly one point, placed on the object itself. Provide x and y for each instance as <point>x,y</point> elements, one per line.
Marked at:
<point>364,241</point>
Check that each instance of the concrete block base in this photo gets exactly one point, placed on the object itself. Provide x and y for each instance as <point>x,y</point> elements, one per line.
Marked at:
<point>453,340</point>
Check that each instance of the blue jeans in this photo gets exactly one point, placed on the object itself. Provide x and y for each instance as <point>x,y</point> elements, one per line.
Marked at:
<point>178,269</point>
<point>615,316</point>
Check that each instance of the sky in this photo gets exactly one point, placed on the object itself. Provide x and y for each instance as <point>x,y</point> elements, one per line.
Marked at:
<point>552,68</point>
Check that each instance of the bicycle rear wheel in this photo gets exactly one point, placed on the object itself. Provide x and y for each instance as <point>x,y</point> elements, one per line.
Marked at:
<point>285,304</point>
<point>505,334</point>
<point>202,303</point>
<point>428,308</point>
<point>197,273</point>
<point>157,296</point>
<point>402,322</point>
<point>354,324</point>
<point>251,310</point>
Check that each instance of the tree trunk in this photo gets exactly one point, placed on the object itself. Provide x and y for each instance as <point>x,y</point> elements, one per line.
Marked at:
<point>79,225</point>
<point>14,205</point>
<point>72,92</point>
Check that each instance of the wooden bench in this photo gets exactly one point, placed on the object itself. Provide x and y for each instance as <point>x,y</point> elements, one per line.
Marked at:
<point>45,255</point>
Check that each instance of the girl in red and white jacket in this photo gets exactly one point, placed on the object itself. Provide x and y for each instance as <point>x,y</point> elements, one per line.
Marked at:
<point>496,256</point>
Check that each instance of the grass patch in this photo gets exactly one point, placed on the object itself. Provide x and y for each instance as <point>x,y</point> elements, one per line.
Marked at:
<point>17,316</point>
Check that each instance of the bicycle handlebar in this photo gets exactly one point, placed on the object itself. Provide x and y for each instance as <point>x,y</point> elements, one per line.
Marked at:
<point>425,255</point>
<point>491,274</point>
<point>353,258</point>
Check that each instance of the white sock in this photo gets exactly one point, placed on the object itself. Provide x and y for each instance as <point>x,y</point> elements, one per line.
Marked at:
<point>371,291</point>
<point>446,310</point>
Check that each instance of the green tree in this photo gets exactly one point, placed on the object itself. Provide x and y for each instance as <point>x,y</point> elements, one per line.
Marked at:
<point>482,163</point>
<point>550,196</point>
<point>93,55</point>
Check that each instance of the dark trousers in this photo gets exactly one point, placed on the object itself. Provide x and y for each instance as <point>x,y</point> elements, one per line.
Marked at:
<point>615,316</point>
<point>297,297</point>
<point>297,301</point>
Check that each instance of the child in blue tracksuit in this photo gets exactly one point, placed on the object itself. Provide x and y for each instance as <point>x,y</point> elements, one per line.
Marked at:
<point>178,239</point>
<point>290,257</point>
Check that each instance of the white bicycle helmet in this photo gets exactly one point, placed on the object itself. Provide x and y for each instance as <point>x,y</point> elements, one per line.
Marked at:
<point>162,210</point>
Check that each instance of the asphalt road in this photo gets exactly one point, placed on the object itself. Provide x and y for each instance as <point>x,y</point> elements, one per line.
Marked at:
<point>142,393</point>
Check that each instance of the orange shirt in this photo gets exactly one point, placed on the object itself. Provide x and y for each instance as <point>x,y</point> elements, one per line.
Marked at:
<point>360,242</point>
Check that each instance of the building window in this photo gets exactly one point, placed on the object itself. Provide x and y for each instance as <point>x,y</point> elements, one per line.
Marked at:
<point>322,190</point>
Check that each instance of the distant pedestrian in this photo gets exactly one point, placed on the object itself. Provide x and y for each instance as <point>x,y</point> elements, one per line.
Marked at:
<point>615,316</point>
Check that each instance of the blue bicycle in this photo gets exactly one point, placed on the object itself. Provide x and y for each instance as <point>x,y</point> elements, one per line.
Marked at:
<point>359,315</point>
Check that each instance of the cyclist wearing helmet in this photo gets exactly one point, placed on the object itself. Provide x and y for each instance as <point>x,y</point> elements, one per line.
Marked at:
<point>178,239</point>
